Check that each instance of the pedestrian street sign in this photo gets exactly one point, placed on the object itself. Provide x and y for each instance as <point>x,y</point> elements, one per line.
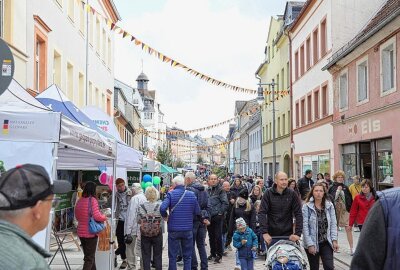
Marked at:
<point>7,66</point>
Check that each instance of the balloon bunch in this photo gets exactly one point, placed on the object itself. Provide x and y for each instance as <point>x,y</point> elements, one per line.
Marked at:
<point>148,181</point>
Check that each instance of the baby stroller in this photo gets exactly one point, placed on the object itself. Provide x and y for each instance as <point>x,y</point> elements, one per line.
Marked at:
<point>296,252</point>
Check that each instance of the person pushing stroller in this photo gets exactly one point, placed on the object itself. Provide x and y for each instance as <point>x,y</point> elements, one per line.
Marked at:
<point>278,206</point>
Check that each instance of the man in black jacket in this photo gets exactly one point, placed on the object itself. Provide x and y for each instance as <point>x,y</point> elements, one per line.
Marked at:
<point>278,205</point>
<point>219,204</point>
<point>199,223</point>
<point>305,184</point>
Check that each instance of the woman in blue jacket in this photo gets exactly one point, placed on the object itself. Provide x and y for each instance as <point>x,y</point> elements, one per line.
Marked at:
<point>319,228</point>
<point>245,240</point>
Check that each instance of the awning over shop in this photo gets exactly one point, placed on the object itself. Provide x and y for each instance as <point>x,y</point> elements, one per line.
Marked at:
<point>167,169</point>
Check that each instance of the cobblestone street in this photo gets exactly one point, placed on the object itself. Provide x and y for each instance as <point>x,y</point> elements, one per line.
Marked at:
<point>75,258</point>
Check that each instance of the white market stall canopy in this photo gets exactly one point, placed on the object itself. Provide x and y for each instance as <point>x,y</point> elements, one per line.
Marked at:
<point>26,119</point>
<point>53,98</point>
<point>127,156</point>
<point>150,165</point>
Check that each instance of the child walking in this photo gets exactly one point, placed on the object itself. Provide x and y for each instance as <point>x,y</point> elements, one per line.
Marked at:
<point>245,240</point>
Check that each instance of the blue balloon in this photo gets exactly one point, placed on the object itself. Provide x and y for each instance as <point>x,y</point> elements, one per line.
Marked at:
<point>147,178</point>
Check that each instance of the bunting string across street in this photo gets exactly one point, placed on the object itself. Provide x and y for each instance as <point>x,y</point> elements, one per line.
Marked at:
<point>179,132</point>
<point>162,57</point>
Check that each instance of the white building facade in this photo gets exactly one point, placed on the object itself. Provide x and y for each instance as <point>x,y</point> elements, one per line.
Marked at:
<point>254,131</point>
<point>322,27</point>
<point>48,40</point>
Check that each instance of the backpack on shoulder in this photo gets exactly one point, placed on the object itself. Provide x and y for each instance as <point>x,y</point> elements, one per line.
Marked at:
<point>150,225</point>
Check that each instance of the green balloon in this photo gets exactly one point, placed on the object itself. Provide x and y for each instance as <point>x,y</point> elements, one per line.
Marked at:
<point>148,184</point>
<point>143,185</point>
<point>156,180</point>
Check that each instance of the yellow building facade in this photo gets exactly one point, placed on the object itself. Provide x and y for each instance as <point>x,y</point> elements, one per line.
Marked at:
<point>276,66</point>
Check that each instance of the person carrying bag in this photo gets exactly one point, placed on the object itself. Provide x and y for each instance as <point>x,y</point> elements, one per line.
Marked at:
<point>87,209</point>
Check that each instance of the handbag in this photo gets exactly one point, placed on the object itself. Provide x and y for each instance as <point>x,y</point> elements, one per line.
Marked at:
<point>94,226</point>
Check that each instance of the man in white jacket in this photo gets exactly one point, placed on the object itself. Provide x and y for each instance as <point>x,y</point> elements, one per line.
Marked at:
<point>132,227</point>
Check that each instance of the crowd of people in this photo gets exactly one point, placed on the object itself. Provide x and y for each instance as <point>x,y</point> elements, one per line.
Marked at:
<point>240,216</point>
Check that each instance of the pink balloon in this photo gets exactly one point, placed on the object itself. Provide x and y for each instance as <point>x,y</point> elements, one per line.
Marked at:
<point>111,182</point>
<point>103,178</point>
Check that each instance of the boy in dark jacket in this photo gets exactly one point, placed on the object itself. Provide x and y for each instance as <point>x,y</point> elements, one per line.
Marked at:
<point>245,240</point>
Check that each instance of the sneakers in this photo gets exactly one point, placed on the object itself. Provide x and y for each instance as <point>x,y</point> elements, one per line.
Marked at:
<point>124,264</point>
<point>352,250</point>
<point>218,259</point>
<point>211,257</point>
<point>179,260</point>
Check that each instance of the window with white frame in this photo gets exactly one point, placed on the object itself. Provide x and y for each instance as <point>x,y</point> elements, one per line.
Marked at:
<point>388,66</point>
<point>343,91</point>
<point>362,80</point>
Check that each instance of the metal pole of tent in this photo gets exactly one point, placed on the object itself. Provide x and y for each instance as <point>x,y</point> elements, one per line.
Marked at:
<point>111,261</point>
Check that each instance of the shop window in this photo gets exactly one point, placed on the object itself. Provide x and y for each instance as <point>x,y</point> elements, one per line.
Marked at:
<point>388,66</point>
<point>349,159</point>
<point>362,81</point>
<point>384,163</point>
<point>343,92</point>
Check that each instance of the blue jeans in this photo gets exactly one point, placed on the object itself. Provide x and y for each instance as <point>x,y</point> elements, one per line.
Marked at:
<point>261,242</point>
<point>224,241</point>
<point>247,264</point>
<point>175,241</point>
<point>199,238</point>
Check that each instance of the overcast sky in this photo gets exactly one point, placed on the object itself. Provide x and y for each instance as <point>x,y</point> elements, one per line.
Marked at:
<point>224,39</point>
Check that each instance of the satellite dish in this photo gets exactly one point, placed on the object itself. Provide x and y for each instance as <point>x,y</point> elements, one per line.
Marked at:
<point>7,66</point>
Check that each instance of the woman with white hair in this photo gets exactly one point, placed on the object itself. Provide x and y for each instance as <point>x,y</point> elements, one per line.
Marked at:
<point>132,228</point>
<point>149,213</point>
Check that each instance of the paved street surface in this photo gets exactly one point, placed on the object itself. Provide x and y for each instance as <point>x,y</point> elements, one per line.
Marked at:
<point>75,258</point>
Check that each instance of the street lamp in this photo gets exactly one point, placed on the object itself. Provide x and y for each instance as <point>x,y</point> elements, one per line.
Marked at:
<point>260,92</point>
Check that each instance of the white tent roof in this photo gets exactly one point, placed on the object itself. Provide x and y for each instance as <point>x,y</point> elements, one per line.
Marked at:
<point>23,118</point>
<point>127,157</point>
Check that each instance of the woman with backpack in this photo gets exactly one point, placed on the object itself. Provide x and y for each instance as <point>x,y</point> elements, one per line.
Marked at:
<point>150,220</point>
<point>85,208</point>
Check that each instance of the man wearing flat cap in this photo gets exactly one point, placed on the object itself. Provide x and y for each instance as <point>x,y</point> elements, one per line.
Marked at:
<point>26,198</point>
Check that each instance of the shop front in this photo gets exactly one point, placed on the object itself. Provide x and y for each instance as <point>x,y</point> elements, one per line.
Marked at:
<point>369,146</point>
<point>317,162</point>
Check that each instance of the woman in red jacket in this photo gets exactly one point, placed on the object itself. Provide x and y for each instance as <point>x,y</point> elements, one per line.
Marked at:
<point>362,203</point>
<point>88,240</point>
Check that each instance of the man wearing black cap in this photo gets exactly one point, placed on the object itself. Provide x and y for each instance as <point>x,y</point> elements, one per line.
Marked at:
<point>26,198</point>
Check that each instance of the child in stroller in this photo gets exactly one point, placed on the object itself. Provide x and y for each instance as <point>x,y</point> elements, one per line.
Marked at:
<point>286,255</point>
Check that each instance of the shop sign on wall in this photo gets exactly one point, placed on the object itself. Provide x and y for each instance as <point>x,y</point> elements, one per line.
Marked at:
<point>365,127</point>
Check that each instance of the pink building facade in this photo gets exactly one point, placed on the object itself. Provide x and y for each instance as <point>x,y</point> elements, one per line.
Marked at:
<point>366,110</point>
